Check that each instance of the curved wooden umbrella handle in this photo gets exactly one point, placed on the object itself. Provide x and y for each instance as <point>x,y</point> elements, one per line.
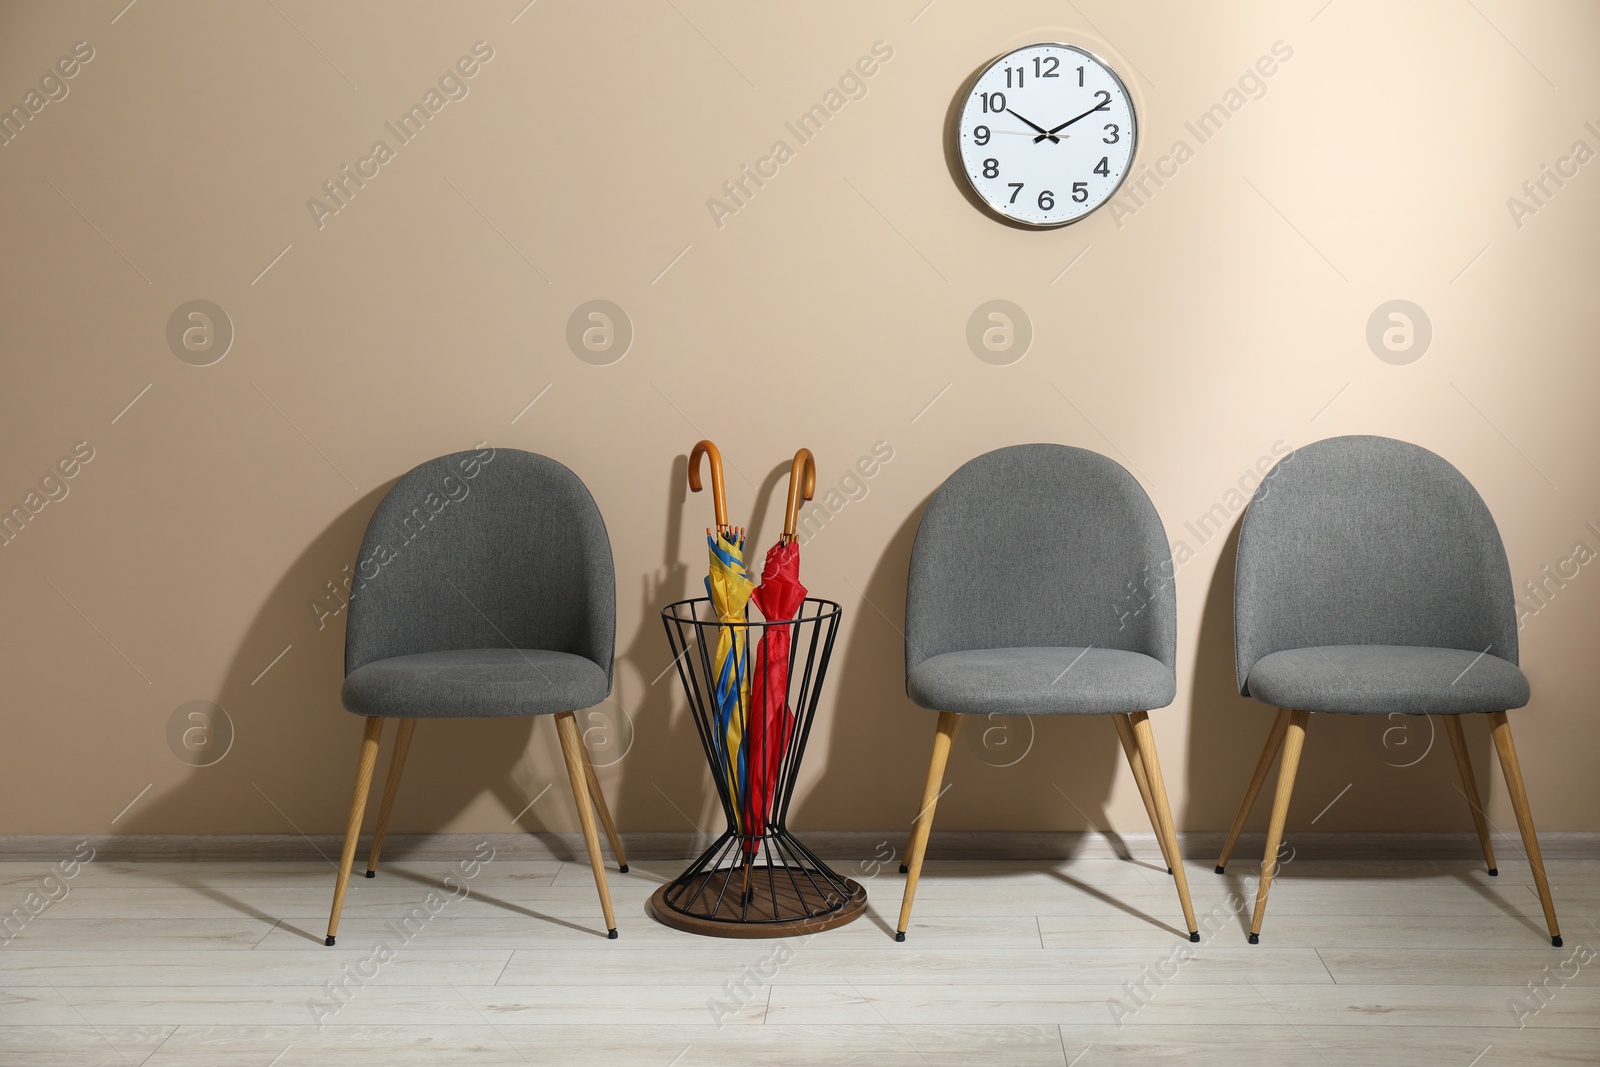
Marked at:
<point>802,483</point>
<point>719,497</point>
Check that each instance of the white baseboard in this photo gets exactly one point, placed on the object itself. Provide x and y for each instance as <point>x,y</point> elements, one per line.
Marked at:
<point>838,844</point>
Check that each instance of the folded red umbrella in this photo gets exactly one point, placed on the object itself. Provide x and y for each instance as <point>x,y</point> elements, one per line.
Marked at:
<point>780,597</point>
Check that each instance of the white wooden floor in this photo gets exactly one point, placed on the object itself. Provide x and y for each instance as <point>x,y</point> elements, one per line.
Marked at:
<point>1361,963</point>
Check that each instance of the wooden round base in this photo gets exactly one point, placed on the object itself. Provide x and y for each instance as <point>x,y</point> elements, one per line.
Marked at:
<point>727,922</point>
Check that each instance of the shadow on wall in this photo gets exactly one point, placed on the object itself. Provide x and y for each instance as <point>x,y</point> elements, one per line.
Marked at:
<point>1352,765</point>
<point>662,728</point>
<point>1226,730</point>
<point>291,766</point>
<point>1005,772</point>
<point>665,784</point>
<point>292,763</point>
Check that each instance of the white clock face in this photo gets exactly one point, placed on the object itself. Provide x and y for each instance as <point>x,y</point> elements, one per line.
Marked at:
<point>1046,134</point>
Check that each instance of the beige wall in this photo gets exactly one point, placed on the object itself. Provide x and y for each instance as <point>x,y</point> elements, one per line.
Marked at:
<point>1222,314</point>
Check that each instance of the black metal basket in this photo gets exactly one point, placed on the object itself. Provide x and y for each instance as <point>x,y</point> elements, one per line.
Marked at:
<point>756,879</point>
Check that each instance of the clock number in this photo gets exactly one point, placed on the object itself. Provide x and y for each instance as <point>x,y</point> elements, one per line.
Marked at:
<point>991,168</point>
<point>1047,200</point>
<point>1080,77</point>
<point>1103,167</point>
<point>980,134</point>
<point>1019,71</point>
<point>1049,69</point>
<point>1113,133</point>
<point>1105,100</point>
<point>1080,191</point>
<point>1016,187</point>
<point>993,102</point>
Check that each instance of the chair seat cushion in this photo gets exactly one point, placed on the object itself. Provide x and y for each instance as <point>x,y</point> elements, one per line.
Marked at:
<point>1041,681</point>
<point>1385,679</point>
<point>475,683</point>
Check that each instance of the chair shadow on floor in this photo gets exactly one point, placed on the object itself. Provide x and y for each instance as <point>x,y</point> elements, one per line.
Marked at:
<point>479,893</point>
<point>1243,882</point>
<point>1110,897</point>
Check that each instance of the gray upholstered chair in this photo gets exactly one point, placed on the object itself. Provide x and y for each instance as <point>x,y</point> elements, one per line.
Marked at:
<point>1041,584</point>
<point>484,588</point>
<point>1371,579</point>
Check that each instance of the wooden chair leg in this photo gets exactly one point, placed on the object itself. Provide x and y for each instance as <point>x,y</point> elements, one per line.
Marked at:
<point>1469,786</point>
<point>1130,748</point>
<point>600,807</point>
<point>1519,804</point>
<point>372,734</point>
<point>1293,741</point>
<point>391,789</point>
<point>1140,721</point>
<point>572,751</point>
<point>944,736</point>
<point>1263,765</point>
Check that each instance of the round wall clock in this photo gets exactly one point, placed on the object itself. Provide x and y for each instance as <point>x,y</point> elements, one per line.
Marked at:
<point>1046,134</point>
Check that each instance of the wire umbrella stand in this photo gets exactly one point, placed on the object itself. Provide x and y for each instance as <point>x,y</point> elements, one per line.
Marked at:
<point>756,879</point>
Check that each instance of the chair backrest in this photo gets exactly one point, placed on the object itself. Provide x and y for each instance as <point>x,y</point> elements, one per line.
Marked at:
<point>495,548</point>
<point>1369,541</point>
<point>1040,545</point>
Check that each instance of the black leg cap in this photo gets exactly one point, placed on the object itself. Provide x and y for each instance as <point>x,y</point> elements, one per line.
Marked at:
<point>622,869</point>
<point>1494,872</point>
<point>1194,935</point>
<point>611,934</point>
<point>1169,870</point>
<point>904,869</point>
<point>1556,941</point>
<point>372,874</point>
<point>1255,939</point>
<point>899,935</point>
<point>328,941</point>
<point>1219,868</point>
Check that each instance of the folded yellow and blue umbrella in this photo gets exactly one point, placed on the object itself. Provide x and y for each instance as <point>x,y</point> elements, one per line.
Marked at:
<point>729,587</point>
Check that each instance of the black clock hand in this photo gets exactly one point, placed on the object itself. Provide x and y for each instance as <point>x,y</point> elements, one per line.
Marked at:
<point>1043,133</point>
<point>1052,133</point>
